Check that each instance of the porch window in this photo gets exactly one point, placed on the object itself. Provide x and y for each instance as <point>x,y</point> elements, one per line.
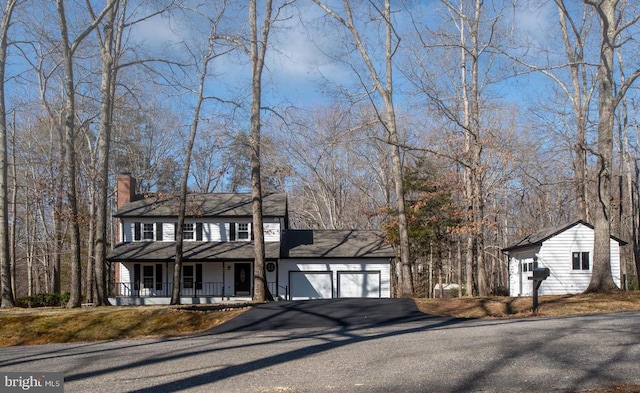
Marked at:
<point>187,274</point>
<point>188,232</point>
<point>147,277</point>
<point>580,260</point>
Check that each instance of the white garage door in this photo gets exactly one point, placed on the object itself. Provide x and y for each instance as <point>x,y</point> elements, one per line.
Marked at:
<point>310,285</point>
<point>359,284</point>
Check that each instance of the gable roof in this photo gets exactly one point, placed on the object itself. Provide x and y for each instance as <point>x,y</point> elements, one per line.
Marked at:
<point>536,239</point>
<point>205,205</point>
<point>295,244</point>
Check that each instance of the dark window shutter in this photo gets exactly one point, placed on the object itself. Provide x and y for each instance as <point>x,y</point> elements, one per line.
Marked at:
<point>136,231</point>
<point>158,231</point>
<point>136,276</point>
<point>158,277</point>
<point>175,231</point>
<point>251,231</point>
<point>232,231</point>
<point>199,231</point>
<point>198,276</point>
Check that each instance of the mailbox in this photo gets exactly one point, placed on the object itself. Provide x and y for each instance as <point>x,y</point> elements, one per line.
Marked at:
<point>541,273</point>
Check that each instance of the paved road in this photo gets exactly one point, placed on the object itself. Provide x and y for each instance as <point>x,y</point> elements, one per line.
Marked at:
<point>412,354</point>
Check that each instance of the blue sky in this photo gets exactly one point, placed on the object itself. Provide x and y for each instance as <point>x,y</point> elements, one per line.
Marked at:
<point>298,69</point>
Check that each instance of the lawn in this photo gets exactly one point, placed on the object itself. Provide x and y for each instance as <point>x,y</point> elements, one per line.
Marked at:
<point>21,326</point>
<point>520,307</point>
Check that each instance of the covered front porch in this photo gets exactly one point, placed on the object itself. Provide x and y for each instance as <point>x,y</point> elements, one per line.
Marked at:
<point>211,272</point>
<point>207,282</point>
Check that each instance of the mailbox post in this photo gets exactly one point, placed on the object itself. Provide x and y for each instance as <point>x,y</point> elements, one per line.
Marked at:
<point>539,275</point>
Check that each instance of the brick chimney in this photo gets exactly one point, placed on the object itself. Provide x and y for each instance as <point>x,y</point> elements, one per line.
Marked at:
<point>126,189</point>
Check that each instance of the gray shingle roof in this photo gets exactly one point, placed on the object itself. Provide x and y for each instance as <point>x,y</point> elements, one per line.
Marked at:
<point>296,244</point>
<point>335,244</point>
<point>192,251</point>
<point>538,237</point>
<point>205,205</point>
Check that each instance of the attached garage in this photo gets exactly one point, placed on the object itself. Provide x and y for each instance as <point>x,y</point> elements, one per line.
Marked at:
<point>334,264</point>
<point>321,279</point>
<point>359,284</point>
<point>310,285</point>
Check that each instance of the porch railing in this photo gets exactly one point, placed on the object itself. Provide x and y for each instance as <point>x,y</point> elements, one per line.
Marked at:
<point>165,289</point>
<point>193,289</point>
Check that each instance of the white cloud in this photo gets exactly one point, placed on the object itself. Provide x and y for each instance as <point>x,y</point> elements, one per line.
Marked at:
<point>535,20</point>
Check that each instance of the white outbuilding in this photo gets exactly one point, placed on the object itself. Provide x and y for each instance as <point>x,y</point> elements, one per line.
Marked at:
<point>567,251</point>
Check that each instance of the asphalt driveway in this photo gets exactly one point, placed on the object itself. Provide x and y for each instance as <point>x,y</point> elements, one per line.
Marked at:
<point>326,313</point>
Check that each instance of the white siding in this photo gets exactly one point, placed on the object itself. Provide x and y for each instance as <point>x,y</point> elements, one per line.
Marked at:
<point>168,231</point>
<point>212,231</point>
<point>556,254</point>
<point>125,274</point>
<point>126,231</point>
<point>374,265</point>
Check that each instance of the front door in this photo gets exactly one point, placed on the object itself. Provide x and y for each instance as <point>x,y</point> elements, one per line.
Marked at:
<point>242,279</point>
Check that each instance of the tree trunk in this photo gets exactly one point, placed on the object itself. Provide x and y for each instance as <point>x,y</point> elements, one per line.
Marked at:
<point>177,269</point>
<point>601,278</point>
<point>5,263</point>
<point>258,52</point>
<point>70,161</point>
<point>107,92</point>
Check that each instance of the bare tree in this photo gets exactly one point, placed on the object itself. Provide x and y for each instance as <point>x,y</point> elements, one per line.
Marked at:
<point>383,84</point>
<point>454,85</point>
<point>68,49</point>
<point>258,51</point>
<point>5,263</point>
<point>203,70</point>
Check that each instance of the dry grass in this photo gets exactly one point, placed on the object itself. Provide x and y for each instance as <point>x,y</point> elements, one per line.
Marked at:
<point>59,325</point>
<point>508,307</point>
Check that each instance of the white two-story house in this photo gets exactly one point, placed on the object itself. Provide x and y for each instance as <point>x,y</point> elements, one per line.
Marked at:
<point>218,252</point>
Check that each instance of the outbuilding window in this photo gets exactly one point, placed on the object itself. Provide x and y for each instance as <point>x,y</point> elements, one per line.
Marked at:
<point>580,260</point>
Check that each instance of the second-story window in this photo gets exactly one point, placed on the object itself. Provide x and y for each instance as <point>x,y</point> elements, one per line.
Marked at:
<point>188,231</point>
<point>243,231</point>
<point>148,232</point>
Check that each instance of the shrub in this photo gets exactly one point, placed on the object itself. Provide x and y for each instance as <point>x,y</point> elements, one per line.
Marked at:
<point>44,300</point>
